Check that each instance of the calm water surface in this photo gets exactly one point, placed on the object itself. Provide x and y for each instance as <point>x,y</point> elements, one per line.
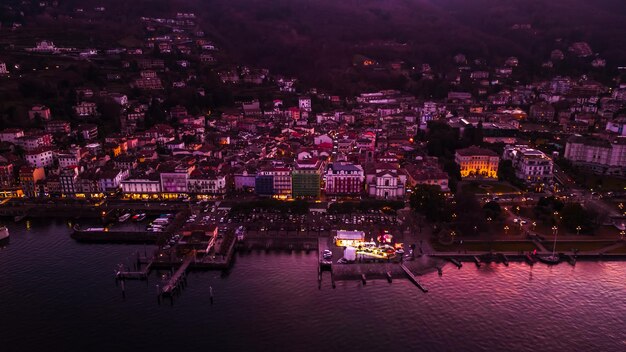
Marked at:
<point>58,295</point>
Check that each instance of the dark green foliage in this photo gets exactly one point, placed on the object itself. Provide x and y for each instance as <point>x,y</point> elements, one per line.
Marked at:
<point>431,202</point>
<point>574,216</point>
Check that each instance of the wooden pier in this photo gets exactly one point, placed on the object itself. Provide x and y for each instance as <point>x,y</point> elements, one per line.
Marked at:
<point>455,262</point>
<point>136,275</point>
<point>175,280</point>
<point>413,278</point>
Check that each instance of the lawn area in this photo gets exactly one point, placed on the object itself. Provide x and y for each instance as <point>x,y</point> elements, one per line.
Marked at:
<point>600,182</point>
<point>583,246</point>
<point>484,246</point>
<point>478,187</point>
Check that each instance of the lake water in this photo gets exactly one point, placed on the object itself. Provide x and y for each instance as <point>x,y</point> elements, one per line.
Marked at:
<point>58,295</point>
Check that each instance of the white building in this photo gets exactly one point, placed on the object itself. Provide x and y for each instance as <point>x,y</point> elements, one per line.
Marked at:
<point>323,139</point>
<point>85,109</point>
<point>385,183</point>
<point>42,157</point>
<point>304,103</point>
<point>110,180</point>
<point>618,126</point>
<point>207,184</point>
<point>140,186</point>
<point>600,155</point>
<point>68,159</point>
<point>531,165</point>
<point>119,98</point>
<point>11,135</point>
<point>3,68</point>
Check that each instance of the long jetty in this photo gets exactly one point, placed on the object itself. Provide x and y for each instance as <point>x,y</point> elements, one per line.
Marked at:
<point>174,282</point>
<point>413,278</point>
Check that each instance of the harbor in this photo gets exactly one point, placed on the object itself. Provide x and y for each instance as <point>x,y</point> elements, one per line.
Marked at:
<point>187,238</point>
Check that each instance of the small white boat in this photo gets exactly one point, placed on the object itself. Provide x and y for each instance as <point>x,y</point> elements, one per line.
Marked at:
<point>124,217</point>
<point>4,232</point>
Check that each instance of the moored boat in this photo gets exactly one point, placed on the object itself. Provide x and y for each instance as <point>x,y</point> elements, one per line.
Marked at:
<point>4,233</point>
<point>549,259</point>
<point>241,233</point>
<point>124,217</point>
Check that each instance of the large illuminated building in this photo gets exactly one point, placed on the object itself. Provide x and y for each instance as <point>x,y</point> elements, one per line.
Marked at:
<point>477,163</point>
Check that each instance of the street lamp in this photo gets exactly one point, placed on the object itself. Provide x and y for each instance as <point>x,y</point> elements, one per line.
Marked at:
<point>534,225</point>
<point>622,233</point>
<point>554,230</point>
<point>578,230</point>
<point>506,229</point>
<point>453,216</point>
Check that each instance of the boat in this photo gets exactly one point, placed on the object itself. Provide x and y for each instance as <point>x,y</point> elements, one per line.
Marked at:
<point>554,258</point>
<point>549,259</point>
<point>4,233</point>
<point>139,217</point>
<point>124,217</point>
<point>241,233</point>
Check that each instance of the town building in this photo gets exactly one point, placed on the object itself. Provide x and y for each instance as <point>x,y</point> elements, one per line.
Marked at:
<point>141,188</point>
<point>28,178</point>
<point>598,155</point>
<point>542,112</point>
<point>343,178</point>
<point>11,135</point>
<point>306,178</point>
<point>69,179</point>
<point>7,176</point>
<point>174,182</point>
<point>383,181</point>
<point>109,180</point>
<point>57,126</point>
<point>476,162</point>
<point>41,157</point>
<point>86,109</point>
<point>531,165</point>
<point>39,111</point>
<point>274,181</point>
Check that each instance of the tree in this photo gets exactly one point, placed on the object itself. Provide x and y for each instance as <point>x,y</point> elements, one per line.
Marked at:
<point>492,210</point>
<point>577,219</point>
<point>470,217</point>
<point>546,208</point>
<point>430,201</point>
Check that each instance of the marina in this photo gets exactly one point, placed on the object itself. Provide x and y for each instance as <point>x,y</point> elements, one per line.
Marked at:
<point>260,280</point>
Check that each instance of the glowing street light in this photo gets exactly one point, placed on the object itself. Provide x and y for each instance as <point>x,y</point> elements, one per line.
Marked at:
<point>578,230</point>
<point>506,229</point>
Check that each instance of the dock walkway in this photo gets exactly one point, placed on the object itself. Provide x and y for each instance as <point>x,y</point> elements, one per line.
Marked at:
<point>136,275</point>
<point>413,278</point>
<point>174,281</point>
